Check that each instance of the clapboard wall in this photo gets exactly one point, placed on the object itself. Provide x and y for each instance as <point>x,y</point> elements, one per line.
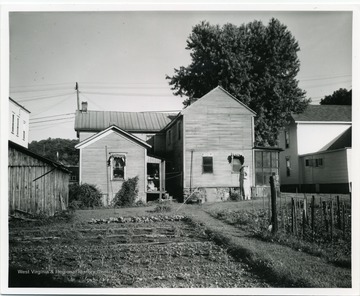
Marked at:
<point>36,185</point>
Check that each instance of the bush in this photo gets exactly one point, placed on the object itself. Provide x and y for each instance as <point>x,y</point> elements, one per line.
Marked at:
<point>162,208</point>
<point>235,196</point>
<point>84,196</point>
<point>128,193</point>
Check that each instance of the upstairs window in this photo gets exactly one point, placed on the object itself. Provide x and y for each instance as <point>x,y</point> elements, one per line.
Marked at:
<point>179,130</point>
<point>23,135</point>
<point>17,126</point>
<point>288,167</point>
<point>169,134</point>
<point>13,123</point>
<point>287,139</point>
<point>207,164</point>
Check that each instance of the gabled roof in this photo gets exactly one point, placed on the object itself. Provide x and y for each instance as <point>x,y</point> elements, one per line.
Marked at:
<point>342,141</point>
<point>110,129</point>
<point>128,121</point>
<point>322,113</point>
<point>216,89</point>
<point>21,106</point>
<point>37,156</point>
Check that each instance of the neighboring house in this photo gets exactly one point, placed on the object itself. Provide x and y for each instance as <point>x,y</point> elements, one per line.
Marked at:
<point>19,123</point>
<point>114,146</point>
<point>317,150</point>
<point>36,185</point>
<point>200,145</point>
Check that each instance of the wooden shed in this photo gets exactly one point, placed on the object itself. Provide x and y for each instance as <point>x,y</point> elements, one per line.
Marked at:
<point>36,185</point>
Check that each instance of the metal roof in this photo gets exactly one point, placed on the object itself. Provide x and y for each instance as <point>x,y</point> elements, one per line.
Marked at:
<point>338,113</point>
<point>342,141</point>
<point>128,121</point>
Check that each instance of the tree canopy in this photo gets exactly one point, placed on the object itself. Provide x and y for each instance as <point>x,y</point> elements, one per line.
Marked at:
<point>49,148</point>
<point>341,96</point>
<point>255,63</point>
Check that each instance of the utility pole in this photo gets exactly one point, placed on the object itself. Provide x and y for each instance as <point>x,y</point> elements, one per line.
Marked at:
<point>77,95</point>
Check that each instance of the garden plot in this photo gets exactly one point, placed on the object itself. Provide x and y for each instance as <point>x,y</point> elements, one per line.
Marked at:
<point>157,251</point>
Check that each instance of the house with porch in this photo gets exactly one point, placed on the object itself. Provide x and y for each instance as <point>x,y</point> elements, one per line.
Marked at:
<point>197,149</point>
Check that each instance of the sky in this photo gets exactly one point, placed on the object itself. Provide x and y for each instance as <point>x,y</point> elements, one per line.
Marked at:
<point>120,59</point>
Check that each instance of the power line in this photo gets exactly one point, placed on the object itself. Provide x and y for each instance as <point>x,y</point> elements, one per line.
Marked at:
<point>40,85</point>
<point>52,116</point>
<point>57,119</point>
<point>126,94</point>
<point>321,77</point>
<point>43,97</point>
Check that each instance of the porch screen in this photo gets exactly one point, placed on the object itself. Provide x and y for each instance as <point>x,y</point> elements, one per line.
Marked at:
<point>266,163</point>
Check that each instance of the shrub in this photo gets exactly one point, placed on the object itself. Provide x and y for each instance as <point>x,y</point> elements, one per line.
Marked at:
<point>235,196</point>
<point>128,193</point>
<point>84,196</point>
<point>162,208</point>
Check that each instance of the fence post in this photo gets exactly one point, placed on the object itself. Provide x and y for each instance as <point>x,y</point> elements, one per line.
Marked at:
<point>343,218</point>
<point>305,209</point>
<point>338,212</point>
<point>325,216</point>
<point>304,222</point>
<point>313,214</point>
<point>331,219</point>
<point>273,205</point>
<point>292,215</point>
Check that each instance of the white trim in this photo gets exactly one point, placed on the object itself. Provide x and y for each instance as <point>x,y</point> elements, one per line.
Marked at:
<point>323,122</point>
<point>80,167</point>
<point>325,151</point>
<point>108,131</point>
<point>227,93</point>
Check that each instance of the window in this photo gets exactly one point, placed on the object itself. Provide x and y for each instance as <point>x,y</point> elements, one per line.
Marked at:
<point>316,162</point>
<point>13,123</point>
<point>17,127</point>
<point>169,136</point>
<point>266,165</point>
<point>287,139</point>
<point>118,163</point>
<point>236,164</point>
<point>179,130</point>
<point>288,167</point>
<point>23,135</point>
<point>207,164</point>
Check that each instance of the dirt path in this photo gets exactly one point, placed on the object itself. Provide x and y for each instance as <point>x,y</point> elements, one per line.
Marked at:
<point>276,263</point>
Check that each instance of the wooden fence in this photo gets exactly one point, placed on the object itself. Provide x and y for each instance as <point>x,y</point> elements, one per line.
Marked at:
<point>312,214</point>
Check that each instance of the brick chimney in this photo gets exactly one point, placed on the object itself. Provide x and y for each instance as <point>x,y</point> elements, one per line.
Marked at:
<point>84,106</point>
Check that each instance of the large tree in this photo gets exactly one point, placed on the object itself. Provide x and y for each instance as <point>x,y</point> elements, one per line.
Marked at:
<point>341,96</point>
<point>258,64</point>
<point>52,148</point>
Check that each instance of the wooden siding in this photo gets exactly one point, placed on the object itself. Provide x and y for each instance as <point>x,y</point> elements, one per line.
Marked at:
<point>46,195</point>
<point>94,169</point>
<point>334,169</point>
<point>217,125</point>
<point>292,153</point>
<point>174,153</point>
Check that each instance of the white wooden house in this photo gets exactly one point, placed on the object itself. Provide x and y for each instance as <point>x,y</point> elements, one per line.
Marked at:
<point>200,145</point>
<point>317,150</point>
<point>19,123</point>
